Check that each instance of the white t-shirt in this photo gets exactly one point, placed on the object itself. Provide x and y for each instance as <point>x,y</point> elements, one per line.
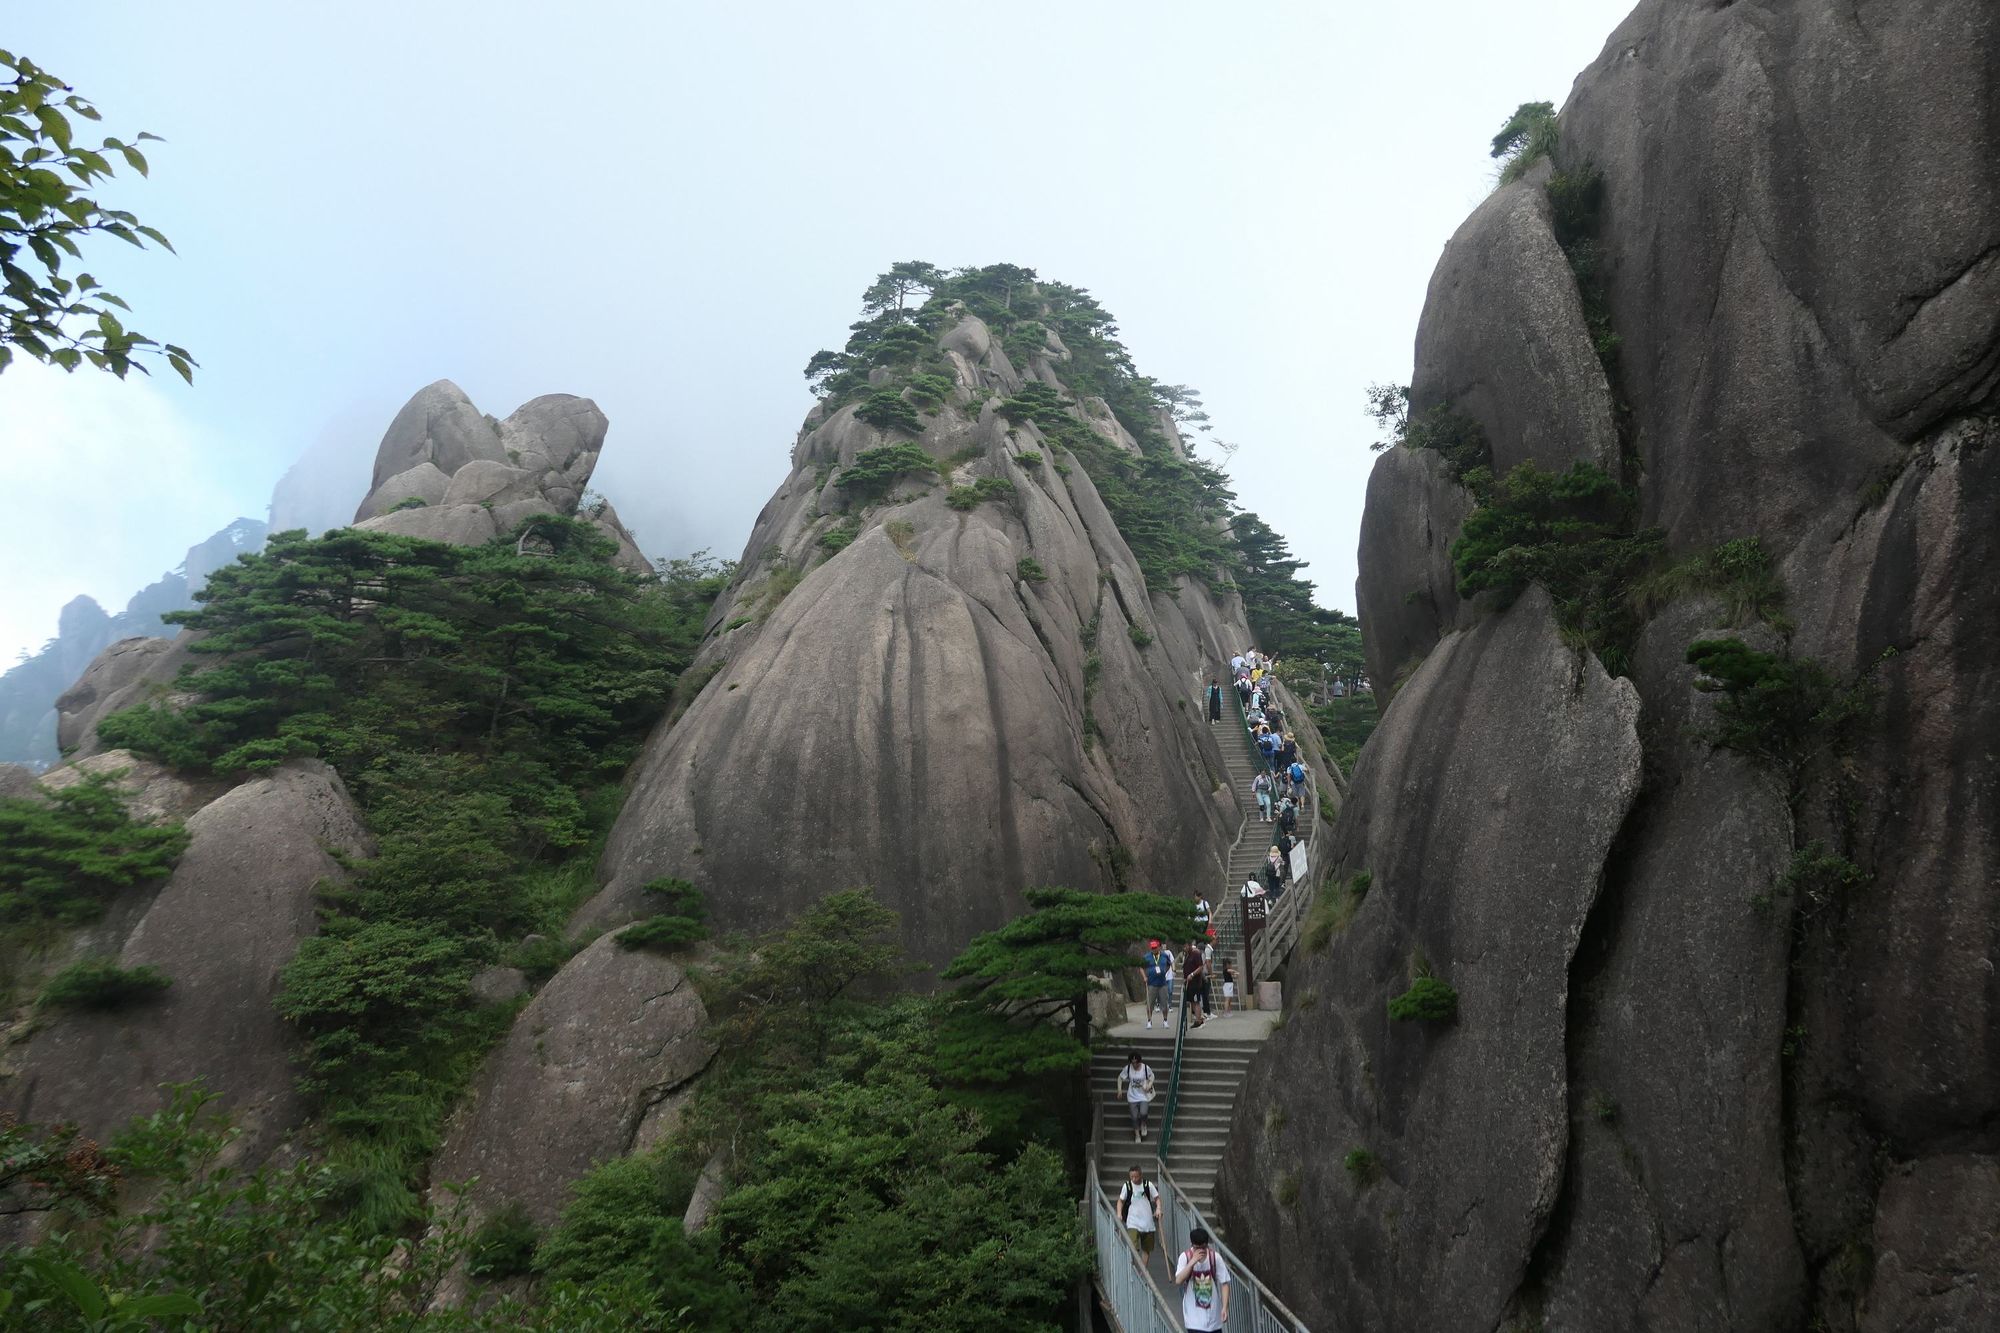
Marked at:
<point>1135,1082</point>
<point>1201,1294</point>
<point>1139,1205</point>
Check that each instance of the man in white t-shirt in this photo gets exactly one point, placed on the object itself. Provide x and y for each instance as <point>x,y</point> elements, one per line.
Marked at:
<point>1139,1210</point>
<point>1204,1282</point>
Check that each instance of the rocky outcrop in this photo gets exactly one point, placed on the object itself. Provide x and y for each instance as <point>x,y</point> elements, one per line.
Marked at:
<point>1776,1104</point>
<point>1468,1179</point>
<point>1408,595</point>
<point>222,928</point>
<point>588,1072</point>
<point>447,472</point>
<point>129,672</point>
<point>916,712</point>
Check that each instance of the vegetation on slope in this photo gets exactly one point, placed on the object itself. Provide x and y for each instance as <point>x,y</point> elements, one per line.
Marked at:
<point>481,704</point>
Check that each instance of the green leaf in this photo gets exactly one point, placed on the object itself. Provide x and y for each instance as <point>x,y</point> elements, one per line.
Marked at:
<point>73,1282</point>
<point>159,1305</point>
<point>137,159</point>
<point>162,240</point>
<point>55,125</point>
<point>180,366</point>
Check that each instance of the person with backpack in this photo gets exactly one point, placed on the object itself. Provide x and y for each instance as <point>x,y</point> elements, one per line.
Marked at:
<point>1201,912</point>
<point>1288,815</point>
<point>1274,875</point>
<point>1194,981</point>
<point>1203,1279</point>
<point>1260,787</point>
<point>1297,773</point>
<point>1135,1080</point>
<point>1139,1211</point>
<point>1159,965</point>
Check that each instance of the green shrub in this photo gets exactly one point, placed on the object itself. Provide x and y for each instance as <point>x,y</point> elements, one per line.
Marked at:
<point>1817,877</point>
<point>1528,136</point>
<point>66,853</point>
<point>886,410</point>
<point>1572,533</point>
<point>504,1245</point>
<point>1286,1189</point>
<point>1029,570</point>
<point>840,536</point>
<point>1333,909</point>
<point>876,471</point>
<point>1364,1168</point>
<point>1141,636</point>
<point>1738,572</point>
<point>930,391</point>
<point>682,919</point>
<point>1428,1000</point>
<point>985,488</point>
<point>1028,458</point>
<point>1454,437</point>
<point>736,622</point>
<point>99,984</point>
<point>410,502</point>
<point>1776,709</point>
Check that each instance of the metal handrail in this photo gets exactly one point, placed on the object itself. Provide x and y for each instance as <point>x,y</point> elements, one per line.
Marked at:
<point>1135,1302</point>
<point>1252,1305</point>
<point>1174,1076</point>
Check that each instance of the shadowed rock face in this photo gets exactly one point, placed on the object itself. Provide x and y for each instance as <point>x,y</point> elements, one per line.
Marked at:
<point>917,716</point>
<point>225,924</point>
<point>1773,1114</point>
<point>585,1074</point>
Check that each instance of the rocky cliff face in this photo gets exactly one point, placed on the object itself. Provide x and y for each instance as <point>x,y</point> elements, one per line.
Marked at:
<point>951,691</point>
<point>1688,1086</point>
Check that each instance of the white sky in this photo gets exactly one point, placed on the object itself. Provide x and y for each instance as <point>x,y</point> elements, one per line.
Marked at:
<point>669,207</point>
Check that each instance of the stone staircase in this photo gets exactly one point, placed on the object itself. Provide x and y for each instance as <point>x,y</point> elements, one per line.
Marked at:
<point>1212,1069</point>
<point>1247,858</point>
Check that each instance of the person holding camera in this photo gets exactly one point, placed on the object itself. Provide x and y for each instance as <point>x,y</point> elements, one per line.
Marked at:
<point>1204,1282</point>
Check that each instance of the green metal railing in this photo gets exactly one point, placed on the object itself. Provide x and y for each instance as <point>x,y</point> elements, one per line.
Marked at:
<point>1174,1076</point>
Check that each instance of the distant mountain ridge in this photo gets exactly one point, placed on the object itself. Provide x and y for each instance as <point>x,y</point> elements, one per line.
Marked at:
<point>84,629</point>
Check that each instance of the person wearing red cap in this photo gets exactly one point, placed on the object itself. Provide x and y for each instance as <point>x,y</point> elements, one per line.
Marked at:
<point>1159,965</point>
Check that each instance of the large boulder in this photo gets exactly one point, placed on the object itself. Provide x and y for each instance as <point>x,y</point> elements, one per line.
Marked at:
<point>478,478</point>
<point>1407,592</point>
<point>1504,341</point>
<point>584,1075</point>
<point>222,928</point>
<point>1781,1080</point>
<point>1483,808</point>
<point>129,672</point>
<point>916,715</point>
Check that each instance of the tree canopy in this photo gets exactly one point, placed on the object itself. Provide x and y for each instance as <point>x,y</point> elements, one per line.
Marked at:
<point>47,211</point>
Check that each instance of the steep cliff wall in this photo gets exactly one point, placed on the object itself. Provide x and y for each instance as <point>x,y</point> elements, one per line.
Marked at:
<point>1733,1065</point>
<point>948,697</point>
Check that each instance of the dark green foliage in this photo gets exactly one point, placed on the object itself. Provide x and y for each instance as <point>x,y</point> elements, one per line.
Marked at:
<point>1528,136</point>
<point>1364,1168</point>
<point>199,1243</point>
<point>99,983</point>
<point>886,409</point>
<point>1576,203</point>
<point>1141,636</point>
<point>1389,404</point>
<point>1333,909</point>
<point>1453,436</point>
<point>984,488</point>
<point>1428,1000</point>
<point>1344,725</point>
<point>65,854</point>
<point>481,703</point>
<point>840,536</point>
<point>875,471</point>
<point>1817,877</point>
<point>1779,710</point>
<point>410,502</point>
<point>1029,570</point>
<point>1739,572</point>
<point>624,1225</point>
<point>930,391</point>
<point>1287,622</point>
<point>1028,458</point>
<point>682,918</point>
<point>1571,532</point>
<point>504,1244</point>
<point>45,171</point>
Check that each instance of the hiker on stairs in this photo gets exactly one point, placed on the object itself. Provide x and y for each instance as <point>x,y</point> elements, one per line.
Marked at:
<point>1214,701</point>
<point>1136,1081</point>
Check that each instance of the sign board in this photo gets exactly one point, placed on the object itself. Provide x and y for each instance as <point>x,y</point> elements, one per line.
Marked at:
<point>1299,864</point>
<point>1257,908</point>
